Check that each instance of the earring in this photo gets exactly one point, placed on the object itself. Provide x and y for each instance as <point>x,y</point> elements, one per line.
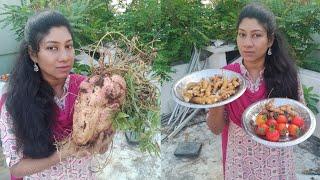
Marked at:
<point>269,52</point>
<point>35,67</point>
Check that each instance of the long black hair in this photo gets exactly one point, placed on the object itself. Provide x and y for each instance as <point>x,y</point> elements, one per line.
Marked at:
<point>30,98</point>
<point>280,72</point>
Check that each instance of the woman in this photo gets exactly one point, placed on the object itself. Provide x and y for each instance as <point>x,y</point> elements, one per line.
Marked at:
<point>39,103</point>
<point>269,72</point>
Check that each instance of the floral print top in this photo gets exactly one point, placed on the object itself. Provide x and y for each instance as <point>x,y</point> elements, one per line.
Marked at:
<point>247,159</point>
<point>71,168</point>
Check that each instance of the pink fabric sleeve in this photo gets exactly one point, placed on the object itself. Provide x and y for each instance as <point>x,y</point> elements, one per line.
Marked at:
<point>8,139</point>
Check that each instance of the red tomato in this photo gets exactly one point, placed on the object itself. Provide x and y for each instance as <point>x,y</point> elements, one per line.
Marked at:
<point>261,119</point>
<point>294,130</point>
<point>282,128</point>
<point>298,121</point>
<point>262,129</point>
<point>282,119</point>
<point>272,123</point>
<point>273,135</point>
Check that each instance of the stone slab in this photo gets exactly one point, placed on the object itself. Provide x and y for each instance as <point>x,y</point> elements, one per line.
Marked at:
<point>188,149</point>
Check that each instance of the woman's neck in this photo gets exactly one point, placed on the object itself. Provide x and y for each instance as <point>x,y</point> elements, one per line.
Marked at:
<point>57,85</point>
<point>254,68</point>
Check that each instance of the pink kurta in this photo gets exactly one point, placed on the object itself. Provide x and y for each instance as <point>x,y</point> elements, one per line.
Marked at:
<point>71,168</point>
<point>244,158</point>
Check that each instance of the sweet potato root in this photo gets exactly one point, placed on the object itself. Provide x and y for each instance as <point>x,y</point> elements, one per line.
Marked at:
<point>100,97</point>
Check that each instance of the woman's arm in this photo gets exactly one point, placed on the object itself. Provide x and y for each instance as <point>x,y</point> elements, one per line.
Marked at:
<point>27,167</point>
<point>216,120</point>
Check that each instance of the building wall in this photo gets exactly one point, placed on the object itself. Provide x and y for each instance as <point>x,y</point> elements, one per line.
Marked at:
<point>8,46</point>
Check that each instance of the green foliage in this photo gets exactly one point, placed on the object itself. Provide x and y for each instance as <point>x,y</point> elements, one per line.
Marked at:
<point>144,19</point>
<point>298,20</point>
<point>87,17</point>
<point>81,69</point>
<point>141,120</point>
<point>173,27</point>
<point>16,16</point>
<point>225,17</point>
<point>161,68</point>
<point>311,64</point>
<point>311,99</point>
<point>185,24</point>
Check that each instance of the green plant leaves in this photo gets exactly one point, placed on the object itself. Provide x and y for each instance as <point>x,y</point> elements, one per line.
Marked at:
<point>174,26</point>
<point>311,99</point>
<point>86,17</point>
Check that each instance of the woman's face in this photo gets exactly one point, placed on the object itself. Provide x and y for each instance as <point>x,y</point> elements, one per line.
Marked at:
<point>56,54</point>
<point>252,40</point>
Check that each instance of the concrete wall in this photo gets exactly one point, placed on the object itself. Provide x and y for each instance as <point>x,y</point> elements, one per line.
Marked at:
<point>167,103</point>
<point>311,78</point>
<point>8,46</point>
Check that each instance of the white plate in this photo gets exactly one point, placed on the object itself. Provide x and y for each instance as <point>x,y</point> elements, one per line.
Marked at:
<point>250,114</point>
<point>206,74</point>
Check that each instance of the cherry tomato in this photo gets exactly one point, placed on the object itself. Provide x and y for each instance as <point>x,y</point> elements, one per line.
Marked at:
<point>282,119</point>
<point>273,135</point>
<point>294,130</point>
<point>282,128</point>
<point>272,123</point>
<point>297,120</point>
<point>261,119</point>
<point>262,129</point>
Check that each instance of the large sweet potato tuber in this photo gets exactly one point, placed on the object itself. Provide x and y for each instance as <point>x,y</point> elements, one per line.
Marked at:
<point>100,97</point>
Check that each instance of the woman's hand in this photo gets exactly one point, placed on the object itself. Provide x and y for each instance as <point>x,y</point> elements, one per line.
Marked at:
<point>100,146</point>
<point>215,119</point>
<point>28,166</point>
